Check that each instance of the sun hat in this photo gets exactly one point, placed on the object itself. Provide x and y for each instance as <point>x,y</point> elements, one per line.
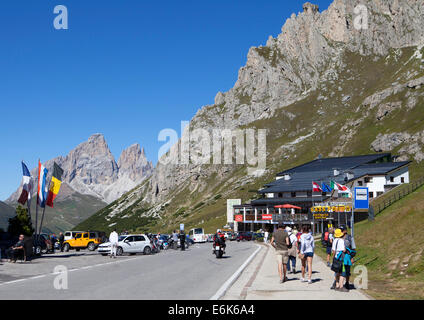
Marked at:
<point>288,229</point>
<point>338,233</point>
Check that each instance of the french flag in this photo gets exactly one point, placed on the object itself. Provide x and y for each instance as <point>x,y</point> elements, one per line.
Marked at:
<point>42,187</point>
<point>26,186</point>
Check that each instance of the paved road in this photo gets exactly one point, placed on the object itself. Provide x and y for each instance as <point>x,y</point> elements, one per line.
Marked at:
<point>196,273</point>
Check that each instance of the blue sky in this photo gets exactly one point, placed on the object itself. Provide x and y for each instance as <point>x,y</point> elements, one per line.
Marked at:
<point>127,69</point>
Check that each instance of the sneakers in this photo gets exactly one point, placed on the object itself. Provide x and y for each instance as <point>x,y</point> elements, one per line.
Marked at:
<point>328,264</point>
<point>303,280</point>
<point>333,287</point>
<point>310,282</point>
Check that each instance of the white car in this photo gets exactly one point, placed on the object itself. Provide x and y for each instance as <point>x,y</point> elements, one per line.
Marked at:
<point>132,244</point>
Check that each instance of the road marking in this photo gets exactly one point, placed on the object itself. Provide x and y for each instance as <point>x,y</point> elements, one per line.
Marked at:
<point>71,270</point>
<point>235,276</point>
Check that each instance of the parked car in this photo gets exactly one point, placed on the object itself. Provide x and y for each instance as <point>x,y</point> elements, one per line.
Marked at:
<point>244,236</point>
<point>232,236</point>
<point>41,244</point>
<point>132,244</point>
<point>83,240</point>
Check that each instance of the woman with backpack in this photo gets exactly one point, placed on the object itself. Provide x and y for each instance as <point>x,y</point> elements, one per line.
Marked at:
<point>292,251</point>
<point>339,260</point>
<point>306,252</point>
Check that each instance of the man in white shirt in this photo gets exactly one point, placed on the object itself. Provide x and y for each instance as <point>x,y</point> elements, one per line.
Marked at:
<point>113,239</point>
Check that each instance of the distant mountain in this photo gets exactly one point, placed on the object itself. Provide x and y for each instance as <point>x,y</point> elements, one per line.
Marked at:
<point>91,180</point>
<point>6,212</point>
<point>322,86</point>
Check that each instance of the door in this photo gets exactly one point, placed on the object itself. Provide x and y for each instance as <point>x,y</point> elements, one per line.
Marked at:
<point>77,241</point>
<point>129,245</point>
<point>85,240</point>
<point>139,243</point>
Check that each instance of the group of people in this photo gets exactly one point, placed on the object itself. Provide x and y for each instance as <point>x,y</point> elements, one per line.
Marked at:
<point>290,244</point>
<point>339,245</point>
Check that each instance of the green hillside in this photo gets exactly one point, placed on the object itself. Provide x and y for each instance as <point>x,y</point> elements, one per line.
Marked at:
<point>6,212</point>
<point>392,249</point>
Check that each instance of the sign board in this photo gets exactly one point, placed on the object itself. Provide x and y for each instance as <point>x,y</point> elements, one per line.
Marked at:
<point>230,209</point>
<point>321,216</point>
<point>238,218</point>
<point>361,198</point>
<point>267,217</point>
<point>182,226</point>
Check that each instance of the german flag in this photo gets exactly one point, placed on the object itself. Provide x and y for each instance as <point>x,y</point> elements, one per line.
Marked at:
<point>55,184</point>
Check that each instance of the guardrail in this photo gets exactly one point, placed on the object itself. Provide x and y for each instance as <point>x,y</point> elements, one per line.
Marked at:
<point>381,203</point>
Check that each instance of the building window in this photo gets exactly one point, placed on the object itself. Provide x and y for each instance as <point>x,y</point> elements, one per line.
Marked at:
<point>293,194</point>
<point>280,195</point>
<point>402,180</point>
<point>368,180</point>
<point>392,179</point>
<point>360,183</point>
<point>371,194</point>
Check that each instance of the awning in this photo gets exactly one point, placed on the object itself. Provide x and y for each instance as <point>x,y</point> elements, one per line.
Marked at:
<point>287,206</point>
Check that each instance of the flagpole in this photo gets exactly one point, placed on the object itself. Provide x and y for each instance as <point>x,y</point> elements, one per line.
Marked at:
<point>44,210</point>
<point>36,204</point>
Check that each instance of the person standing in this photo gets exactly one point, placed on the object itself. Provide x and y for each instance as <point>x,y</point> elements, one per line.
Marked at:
<point>292,250</point>
<point>175,240</point>
<point>182,240</point>
<point>338,251</point>
<point>327,241</point>
<point>266,235</point>
<point>61,241</point>
<point>53,240</point>
<point>348,259</point>
<point>113,239</point>
<point>280,242</point>
<point>306,252</point>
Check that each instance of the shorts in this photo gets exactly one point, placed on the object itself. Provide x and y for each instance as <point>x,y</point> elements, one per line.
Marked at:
<point>309,254</point>
<point>282,256</point>
<point>346,271</point>
<point>329,250</point>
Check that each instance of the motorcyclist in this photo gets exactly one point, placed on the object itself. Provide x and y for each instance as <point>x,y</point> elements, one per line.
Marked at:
<point>219,238</point>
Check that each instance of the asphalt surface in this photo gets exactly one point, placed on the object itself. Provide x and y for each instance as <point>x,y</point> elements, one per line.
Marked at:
<point>190,275</point>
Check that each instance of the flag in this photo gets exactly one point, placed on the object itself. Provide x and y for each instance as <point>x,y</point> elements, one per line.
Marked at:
<point>339,187</point>
<point>26,186</point>
<point>326,188</point>
<point>55,184</point>
<point>41,192</point>
<point>316,187</point>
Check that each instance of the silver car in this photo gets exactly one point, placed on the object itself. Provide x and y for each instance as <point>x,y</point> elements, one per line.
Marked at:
<point>132,244</point>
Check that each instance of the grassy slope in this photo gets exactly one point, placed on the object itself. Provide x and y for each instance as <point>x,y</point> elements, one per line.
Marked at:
<point>392,247</point>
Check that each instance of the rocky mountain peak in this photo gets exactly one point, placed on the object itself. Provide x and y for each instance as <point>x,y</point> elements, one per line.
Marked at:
<point>310,8</point>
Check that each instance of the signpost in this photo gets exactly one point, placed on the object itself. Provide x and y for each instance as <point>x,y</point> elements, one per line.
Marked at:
<point>361,200</point>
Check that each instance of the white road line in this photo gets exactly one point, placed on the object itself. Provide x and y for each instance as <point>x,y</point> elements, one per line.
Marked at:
<point>235,276</point>
<point>71,270</point>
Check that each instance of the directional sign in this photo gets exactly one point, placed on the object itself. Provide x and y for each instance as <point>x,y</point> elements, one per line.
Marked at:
<point>361,198</point>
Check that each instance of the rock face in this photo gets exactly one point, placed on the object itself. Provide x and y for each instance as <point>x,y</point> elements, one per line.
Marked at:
<point>328,84</point>
<point>90,169</point>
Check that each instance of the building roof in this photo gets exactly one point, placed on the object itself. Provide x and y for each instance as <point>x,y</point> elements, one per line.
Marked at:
<point>301,177</point>
<point>341,163</point>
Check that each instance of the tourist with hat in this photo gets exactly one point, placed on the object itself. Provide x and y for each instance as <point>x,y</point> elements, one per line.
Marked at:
<point>338,251</point>
<point>292,251</point>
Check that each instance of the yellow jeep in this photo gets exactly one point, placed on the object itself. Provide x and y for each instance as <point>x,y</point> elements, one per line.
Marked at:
<point>83,240</point>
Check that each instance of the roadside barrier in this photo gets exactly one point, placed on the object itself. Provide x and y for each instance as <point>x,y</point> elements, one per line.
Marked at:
<point>385,201</point>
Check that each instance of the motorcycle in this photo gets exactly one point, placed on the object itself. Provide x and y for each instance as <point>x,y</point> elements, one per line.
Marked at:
<point>218,248</point>
<point>155,246</point>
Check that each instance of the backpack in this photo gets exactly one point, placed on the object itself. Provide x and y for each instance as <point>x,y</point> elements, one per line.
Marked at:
<point>325,239</point>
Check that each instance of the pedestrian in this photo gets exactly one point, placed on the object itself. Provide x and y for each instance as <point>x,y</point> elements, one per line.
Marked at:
<point>61,241</point>
<point>292,251</point>
<point>280,241</point>
<point>175,240</point>
<point>327,241</point>
<point>349,254</point>
<point>113,239</point>
<point>53,240</point>
<point>338,251</point>
<point>306,253</point>
<point>13,252</point>
<point>266,236</point>
<point>182,240</point>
